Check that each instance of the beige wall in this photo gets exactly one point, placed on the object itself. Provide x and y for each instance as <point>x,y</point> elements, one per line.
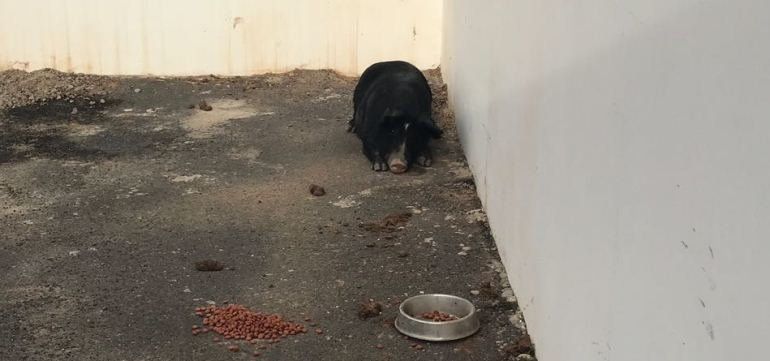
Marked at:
<point>622,151</point>
<point>229,37</point>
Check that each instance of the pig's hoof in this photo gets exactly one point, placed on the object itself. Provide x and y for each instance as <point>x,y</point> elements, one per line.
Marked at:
<point>424,161</point>
<point>379,166</point>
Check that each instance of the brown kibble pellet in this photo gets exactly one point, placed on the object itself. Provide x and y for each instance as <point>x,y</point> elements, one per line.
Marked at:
<point>236,322</point>
<point>437,316</point>
<point>379,346</point>
<point>233,348</point>
<point>319,331</point>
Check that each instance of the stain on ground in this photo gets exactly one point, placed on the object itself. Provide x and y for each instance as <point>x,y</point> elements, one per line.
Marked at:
<point>390,223</point>
<point>209,265</point>
<point>104,212</point>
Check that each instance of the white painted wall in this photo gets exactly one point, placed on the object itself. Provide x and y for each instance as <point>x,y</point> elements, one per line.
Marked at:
<point>227,37</point>
<point>622,150</point>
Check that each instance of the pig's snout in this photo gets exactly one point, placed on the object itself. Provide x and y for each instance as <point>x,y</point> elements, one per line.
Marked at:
<point>397,160</point>
<point>397,166</point>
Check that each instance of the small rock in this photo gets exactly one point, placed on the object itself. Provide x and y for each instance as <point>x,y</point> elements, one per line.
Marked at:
<point>102,101</point>
<point>522,346</point>
<point>202,105</point>
<point>371,245</point>
<point>487,289</point>
<point>369,309</point>
<point>517,320</point>
<point>475,292</point>
<point>379,346</point>
<point>137,90</point>
<point>317,190</point>
<point>463,253</point>
<point>74,111</point>
<point>403,254</point>
<point>524,357</point>
<point>233,348</point>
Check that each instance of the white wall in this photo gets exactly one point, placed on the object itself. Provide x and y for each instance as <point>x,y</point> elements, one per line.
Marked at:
<point>228,37</point>
<point>622,150</point>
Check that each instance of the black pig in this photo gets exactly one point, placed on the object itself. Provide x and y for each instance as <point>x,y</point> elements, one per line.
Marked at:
<point>392,116</point>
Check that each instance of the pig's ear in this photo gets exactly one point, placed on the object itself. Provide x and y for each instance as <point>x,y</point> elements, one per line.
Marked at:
<point>428,124</point>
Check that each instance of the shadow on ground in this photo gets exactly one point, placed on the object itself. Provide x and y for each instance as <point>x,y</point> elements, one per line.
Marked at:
<point>104,209</point>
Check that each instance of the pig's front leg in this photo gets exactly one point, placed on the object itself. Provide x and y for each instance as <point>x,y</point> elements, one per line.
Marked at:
<point>379,164</point>
<point>425,159</point>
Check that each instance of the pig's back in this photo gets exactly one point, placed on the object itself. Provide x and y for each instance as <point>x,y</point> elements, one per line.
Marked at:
<point>391,86</point>
<point>391,76</point>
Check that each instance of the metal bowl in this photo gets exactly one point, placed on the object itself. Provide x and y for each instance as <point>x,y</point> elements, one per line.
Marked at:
<point>409,323</point>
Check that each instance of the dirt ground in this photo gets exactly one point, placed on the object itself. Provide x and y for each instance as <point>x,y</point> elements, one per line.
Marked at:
<point>112,189</point>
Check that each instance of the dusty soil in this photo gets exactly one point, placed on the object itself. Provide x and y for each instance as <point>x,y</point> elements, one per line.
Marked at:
<point>105,210</point>
<point>19,88</point>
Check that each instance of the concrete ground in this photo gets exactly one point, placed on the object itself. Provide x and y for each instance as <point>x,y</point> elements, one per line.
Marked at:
<point>104,210</point>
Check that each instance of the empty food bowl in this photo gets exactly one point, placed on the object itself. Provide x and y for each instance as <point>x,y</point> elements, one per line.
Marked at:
<point>410,320</point>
